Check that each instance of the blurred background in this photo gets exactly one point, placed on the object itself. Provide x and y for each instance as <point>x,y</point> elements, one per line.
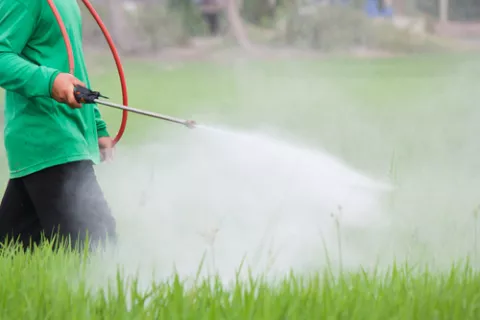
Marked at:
<point>381,26</point>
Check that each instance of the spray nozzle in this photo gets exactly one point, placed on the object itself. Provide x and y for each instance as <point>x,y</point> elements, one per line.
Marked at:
<point>190,124</point>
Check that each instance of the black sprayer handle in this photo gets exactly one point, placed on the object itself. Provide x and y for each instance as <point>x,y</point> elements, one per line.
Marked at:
<point>85,95</point>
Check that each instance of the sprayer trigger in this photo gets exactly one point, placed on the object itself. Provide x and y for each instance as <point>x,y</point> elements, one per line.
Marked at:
<point>85,95</point>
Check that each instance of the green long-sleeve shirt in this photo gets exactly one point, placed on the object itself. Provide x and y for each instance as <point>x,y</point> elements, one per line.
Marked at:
<point>40,132</point>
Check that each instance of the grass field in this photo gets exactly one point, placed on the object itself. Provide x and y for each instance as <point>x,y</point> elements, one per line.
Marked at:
<point>412,121</point>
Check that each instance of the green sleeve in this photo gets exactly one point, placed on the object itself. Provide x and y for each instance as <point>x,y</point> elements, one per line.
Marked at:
<point>101,125</point>
<point>17,74</point>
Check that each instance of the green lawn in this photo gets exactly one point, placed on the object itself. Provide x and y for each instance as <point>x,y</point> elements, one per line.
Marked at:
<point>413,121</point>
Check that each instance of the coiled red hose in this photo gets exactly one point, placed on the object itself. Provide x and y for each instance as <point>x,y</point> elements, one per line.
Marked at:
<point>113,49</point>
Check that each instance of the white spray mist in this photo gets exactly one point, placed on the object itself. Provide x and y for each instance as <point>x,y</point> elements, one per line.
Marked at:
<point>235,198</point>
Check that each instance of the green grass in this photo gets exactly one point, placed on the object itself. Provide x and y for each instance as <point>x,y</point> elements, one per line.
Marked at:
<point>417,113</point>
<point>43,285</point>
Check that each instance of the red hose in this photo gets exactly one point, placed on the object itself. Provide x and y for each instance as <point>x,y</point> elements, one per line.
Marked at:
<point>113,49</point>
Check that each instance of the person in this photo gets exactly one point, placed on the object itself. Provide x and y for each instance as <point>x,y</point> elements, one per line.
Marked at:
<point>52,142</point>
<point>211,14</point>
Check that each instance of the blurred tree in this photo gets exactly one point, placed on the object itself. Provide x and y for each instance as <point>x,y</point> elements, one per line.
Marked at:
<point>118,25</point>
<point>259,12</point>
<point>236,24</point>
<point>292,18</point>
<point>448,10</point>
<point>191,20</point>
<point>444,8</point>
<point>464,10</point>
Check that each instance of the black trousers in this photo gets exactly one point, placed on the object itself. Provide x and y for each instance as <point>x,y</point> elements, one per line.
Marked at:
<point>212,21</point>
<point>63,201</point>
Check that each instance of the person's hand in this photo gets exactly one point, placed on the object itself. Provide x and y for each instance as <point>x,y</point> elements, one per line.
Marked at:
<point>107,148</point>
<point>63,89</point>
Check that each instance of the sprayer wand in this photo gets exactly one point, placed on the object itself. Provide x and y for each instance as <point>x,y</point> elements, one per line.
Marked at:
<point>85,95</point>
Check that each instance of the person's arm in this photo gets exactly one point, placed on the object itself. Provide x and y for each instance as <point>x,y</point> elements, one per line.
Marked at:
<point>17,74</point>
<point>101,125</point>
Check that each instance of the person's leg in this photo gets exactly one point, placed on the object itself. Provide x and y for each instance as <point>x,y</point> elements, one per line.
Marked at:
<point>18,220</point>
<point>209,21</point>
<point>70,203</point>
<point>214,23</point>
